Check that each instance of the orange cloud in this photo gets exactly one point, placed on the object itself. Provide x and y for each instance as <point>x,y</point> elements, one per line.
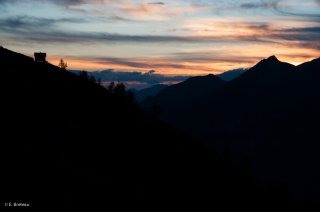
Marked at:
<point>196,62</point>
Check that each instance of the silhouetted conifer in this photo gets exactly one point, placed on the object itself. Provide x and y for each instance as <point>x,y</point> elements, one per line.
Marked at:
<point>111,87</point>
<point>63,65</point>
<point>120,89</point>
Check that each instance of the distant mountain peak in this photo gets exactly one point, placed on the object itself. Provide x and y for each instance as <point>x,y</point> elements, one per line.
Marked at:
<point>272,59</point>
<point>211,76</point>
<point>268,72</point>
<point>202,78</point>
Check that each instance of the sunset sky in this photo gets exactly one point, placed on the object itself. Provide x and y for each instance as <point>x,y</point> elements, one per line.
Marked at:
<point>180,37</point>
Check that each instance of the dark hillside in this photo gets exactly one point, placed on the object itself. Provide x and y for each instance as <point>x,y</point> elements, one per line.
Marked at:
<point>268,117</point>
<point>71,145</point>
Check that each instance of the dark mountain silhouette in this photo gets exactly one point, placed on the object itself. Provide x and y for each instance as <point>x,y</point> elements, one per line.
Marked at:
<point>184,94</point>
<point>267,117</point>
<point>230,75</point>
<point>69,144</point>
<point>151,91</point>
<point>309,70</point>
<point>268,73</point>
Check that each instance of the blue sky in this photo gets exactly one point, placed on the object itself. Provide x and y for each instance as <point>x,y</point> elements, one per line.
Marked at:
<point>171,37</point>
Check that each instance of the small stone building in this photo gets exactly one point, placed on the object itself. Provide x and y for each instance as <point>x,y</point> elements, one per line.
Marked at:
<point>40,57</point>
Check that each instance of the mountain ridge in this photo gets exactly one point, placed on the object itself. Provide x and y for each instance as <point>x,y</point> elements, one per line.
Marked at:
<point>178,95</point>
<point>140,95</point>
<point>258,116</point>
<point>79,146</point>
<point>232,74</point>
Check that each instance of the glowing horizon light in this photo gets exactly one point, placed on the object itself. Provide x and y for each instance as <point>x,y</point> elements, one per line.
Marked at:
<point>171,37</point>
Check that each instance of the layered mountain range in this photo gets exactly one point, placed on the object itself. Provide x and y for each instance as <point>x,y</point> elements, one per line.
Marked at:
<point>69,144</point>
<point>267,117</point>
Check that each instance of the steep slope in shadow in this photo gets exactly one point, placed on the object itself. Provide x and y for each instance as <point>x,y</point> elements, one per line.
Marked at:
<point>231,75</point>
<point>233,106</point>
<point>230,106</point>
<point>175,102</point>
<point>140,95</point>
<point>267,72</point>
<point>188,92</point>
<point>243,99</point>
<point>267,116</point>
<point>72,145</point>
